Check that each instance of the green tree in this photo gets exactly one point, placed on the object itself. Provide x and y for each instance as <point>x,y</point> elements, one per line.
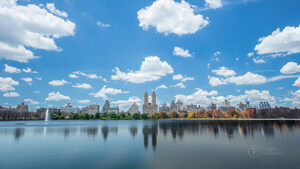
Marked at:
<point>112,116</point>
<point>136,116</point>
<point>97,116</point>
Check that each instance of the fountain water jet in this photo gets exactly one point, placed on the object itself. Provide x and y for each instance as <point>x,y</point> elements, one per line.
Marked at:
<point>47,115</point>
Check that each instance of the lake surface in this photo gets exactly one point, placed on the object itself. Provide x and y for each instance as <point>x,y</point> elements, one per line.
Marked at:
<point>161,144</point>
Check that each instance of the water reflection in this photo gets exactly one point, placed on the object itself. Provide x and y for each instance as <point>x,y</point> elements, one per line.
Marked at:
<point>150,129</point>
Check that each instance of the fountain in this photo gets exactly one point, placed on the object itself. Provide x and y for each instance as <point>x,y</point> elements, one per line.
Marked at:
<point>47,115</point>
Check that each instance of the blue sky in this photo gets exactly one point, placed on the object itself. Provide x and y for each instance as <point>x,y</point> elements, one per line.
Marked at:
<point>198,51</point>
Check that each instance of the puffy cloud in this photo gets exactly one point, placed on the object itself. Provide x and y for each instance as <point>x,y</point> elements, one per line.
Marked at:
<point>11,94</point>
<point>57,97</point>
<point>223,71</point>
<point>247,79</point>
<point>182,78</point>
<point>11,69</point>
<point>7,83</point>
<point>73,76</point>
<point>31,26</point>
<point>108,91</point>
<point>297,82</point>
<point>27,79</point>
<point>290,68</point>
<point>83,86</point>
<point>180,85</point>
<point>259,60</point>
<point>100,24</point>
<point>214,4</point>
<point>32,101</point>
<point>38,78</point>
<point>280,77</point>
<point>168,16</point>
<point>203,97</point>
<point>151,69</point>
<point>57,82</point>
<point>52,9</point>
<point>178,51</point>
<point>161,87</point>
<point>285,42</point>
<point>215,81</point>
<point>127,103</point>
<point>296,93</point>
<point>83,101</point>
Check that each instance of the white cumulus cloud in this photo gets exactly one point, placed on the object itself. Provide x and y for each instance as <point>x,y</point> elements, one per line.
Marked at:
<point>11,69</point>
<point>57,97</point>
<point>57,82</point>
<point>180,85</point>
<point>285,42</point>
<point>83,101</point>
<point>168,16</point>
<point>151,69</point>
<point>125,104</point>
<point>223,71</point>
<point>108,91</point>
<point>290,68</point>
<point>31,26</point>
<point>52,9</point>
<point>214,4</point>
<point>31,101</point>
<point>178,51</point>
<point>161,87</point>
<point>297,82</point>
<point>83,86</point>
<point>7,83</point>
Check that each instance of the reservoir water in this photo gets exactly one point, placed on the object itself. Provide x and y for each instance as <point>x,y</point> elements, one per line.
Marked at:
<point>161,144</point>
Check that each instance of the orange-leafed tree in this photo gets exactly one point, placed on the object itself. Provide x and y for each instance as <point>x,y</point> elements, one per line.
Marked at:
<point>208,114</point>
<point>173,115</point>
<point>249,113</point>
<point>200,114</point>
<point>217,114</point>
<point>231,114</point>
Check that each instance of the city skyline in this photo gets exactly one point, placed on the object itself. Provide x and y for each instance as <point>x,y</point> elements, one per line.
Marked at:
<point>89,54</point>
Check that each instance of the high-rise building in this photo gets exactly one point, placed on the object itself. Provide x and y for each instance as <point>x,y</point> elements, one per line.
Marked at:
<point>211,107</point>
<point>69,109</point>
<point>91,109</point>
<point>133,108</point>
<point>109,109</point>
<point>179,104</point>
<point>149,108</point>
<point>226,106</point>
<point>264,105</point>
<point>173,106</point>
<point>22,107</point>
<point>192,107</point>
<point>164,108</point>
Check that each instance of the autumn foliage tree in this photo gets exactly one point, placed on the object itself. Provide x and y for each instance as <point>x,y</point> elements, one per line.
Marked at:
<point>173,115</point>
<point>208,114</point>
<point>217,114</point>
<point>231,114</point>
<point>249,113</point>
<point>191,115</point>
<point>200,114</point>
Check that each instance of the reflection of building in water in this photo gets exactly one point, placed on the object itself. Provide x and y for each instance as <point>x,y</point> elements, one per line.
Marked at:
<point>264,105</point>
<point>226,106</point>
<point>133,131</point>
<point>133,108</point>
<point>109,109</point>
<point>22,107</point>
<point>69,109</point>
<point>211,107</point>
<point>150,131</point>
<point>149,108</point>
<point>91,109</point>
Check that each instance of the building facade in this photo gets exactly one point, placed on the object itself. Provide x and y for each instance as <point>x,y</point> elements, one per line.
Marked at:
<point>226,106</point>
<point>164,108</point>
<point>91,109</point>
<point>211,107</point>
<point>149,108</point>
<point>133,108</point>
<point>264,105</point>
<point>109,109</point>
<point>69,109</point>
<point>22,107</point>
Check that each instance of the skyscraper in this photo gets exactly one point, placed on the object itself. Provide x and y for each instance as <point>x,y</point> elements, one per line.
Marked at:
<point>149,108</point>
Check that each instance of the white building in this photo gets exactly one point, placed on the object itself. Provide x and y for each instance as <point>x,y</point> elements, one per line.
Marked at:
<point>109,109</point>
<point>133,108</point>
<point>226,106</point>
<point>149,108</point>
<point>69,109</point>
<point>91,109</point>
